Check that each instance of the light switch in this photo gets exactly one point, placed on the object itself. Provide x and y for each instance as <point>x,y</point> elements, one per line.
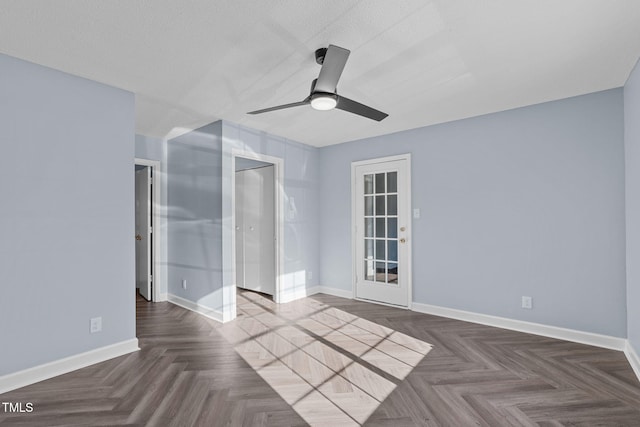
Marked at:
<point>416,213</point>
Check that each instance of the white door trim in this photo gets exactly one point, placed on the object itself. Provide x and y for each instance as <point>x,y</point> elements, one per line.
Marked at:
<point>229,310</point>
<point>354,222</point>
<point>156,270</point>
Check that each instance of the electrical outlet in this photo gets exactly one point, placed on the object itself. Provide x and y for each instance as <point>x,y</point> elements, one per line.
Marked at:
<point>527,302</point>
<point>184,283</point>
<point>96,324</point>
<point>416,213</point>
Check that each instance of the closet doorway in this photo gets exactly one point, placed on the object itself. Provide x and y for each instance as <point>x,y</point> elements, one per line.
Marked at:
<point>144,231</point>
<point>255,226</point>
<point>147,239</point>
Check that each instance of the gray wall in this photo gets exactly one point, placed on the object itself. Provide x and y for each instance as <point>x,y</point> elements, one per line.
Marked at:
<point>523,202</point>
<point>149,148</point>
<point>67,248</point>
<point>194,215</point>
<point>632,154</point>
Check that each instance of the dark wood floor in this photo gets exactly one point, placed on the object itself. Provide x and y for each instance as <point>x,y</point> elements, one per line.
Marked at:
<point>189,372</point>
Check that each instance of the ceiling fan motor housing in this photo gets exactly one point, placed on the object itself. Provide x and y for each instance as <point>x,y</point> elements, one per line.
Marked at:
<point>313,89</point>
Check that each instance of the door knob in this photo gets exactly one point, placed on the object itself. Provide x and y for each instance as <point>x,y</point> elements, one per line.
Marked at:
<point>403,240</point>
<point>138,237</point>
<point>402,228</point>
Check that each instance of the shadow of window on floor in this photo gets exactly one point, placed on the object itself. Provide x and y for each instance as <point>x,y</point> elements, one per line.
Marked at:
<point>332,367</point>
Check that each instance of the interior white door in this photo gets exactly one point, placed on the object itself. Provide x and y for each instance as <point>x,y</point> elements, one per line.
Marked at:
<point>143,232</point>
<point>255,229</point>
<point>381,232</point>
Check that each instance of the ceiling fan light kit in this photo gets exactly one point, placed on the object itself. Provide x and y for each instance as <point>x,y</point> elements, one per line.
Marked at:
<point>324,95</point>
<point>323,101</point>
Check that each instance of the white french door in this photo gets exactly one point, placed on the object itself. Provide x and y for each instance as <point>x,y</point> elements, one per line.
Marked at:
<point>381,222</point>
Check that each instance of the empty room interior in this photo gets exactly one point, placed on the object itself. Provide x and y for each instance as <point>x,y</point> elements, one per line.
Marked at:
<point>325,213</point>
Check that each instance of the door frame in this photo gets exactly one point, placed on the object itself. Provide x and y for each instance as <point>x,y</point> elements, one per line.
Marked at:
<point>278,182</point>
<point>156,184</point>
<point>355,222</point>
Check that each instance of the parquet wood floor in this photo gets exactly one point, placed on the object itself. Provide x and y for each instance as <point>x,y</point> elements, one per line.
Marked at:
<point>330,361</point>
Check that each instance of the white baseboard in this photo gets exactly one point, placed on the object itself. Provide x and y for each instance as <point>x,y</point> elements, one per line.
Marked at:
<point>162,297</point>
<point>62,366</point>
<point>604,341</point>
<point>293,294</point>
<point>633,359</point>
<point>330,291</point>
<point>589,338</point>
<point>194,306</point>
<point>313,290</point>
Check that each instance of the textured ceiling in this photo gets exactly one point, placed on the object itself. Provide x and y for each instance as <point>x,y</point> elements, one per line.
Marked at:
<point>191,62</point>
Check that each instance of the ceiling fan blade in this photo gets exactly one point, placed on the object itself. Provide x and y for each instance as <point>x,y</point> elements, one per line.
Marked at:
<point>334,61</point>
<point>354,107</point>
<point>280,107</point>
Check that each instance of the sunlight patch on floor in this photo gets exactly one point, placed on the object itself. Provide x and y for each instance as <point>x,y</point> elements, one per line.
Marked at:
<point>332,367</point>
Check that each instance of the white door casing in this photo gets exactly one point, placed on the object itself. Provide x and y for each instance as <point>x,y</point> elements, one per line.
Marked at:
<point>143,232</point>
<point>239,226</point>
<point>381,226</point>
<point>255,230</point>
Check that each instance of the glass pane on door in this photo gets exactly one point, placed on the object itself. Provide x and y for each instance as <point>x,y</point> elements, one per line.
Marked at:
<point>369,271</point>
<point>380,252</point>
<point>392,204</point>
<point>368,249</point>
<point>368,205</point>
<point>368,227</point>
<point>392,182</point>
<point>380,228</point>
<point>380,182</point>
<point>380,211</point>
<point>392,273</point>
<point>368,184</point>
<point>392,226</point>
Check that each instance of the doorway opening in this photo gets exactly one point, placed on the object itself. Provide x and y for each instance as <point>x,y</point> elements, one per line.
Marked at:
<point>257,226</point>
<point>146,220</point>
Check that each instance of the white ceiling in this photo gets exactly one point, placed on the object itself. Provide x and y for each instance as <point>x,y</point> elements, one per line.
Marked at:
<point>191,62</point>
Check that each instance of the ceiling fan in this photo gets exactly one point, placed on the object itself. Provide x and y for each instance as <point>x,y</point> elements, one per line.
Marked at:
<point>323,95</point>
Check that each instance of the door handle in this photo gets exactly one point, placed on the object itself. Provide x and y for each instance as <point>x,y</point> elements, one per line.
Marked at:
<point>403,240</point>
<point>138,237</point>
